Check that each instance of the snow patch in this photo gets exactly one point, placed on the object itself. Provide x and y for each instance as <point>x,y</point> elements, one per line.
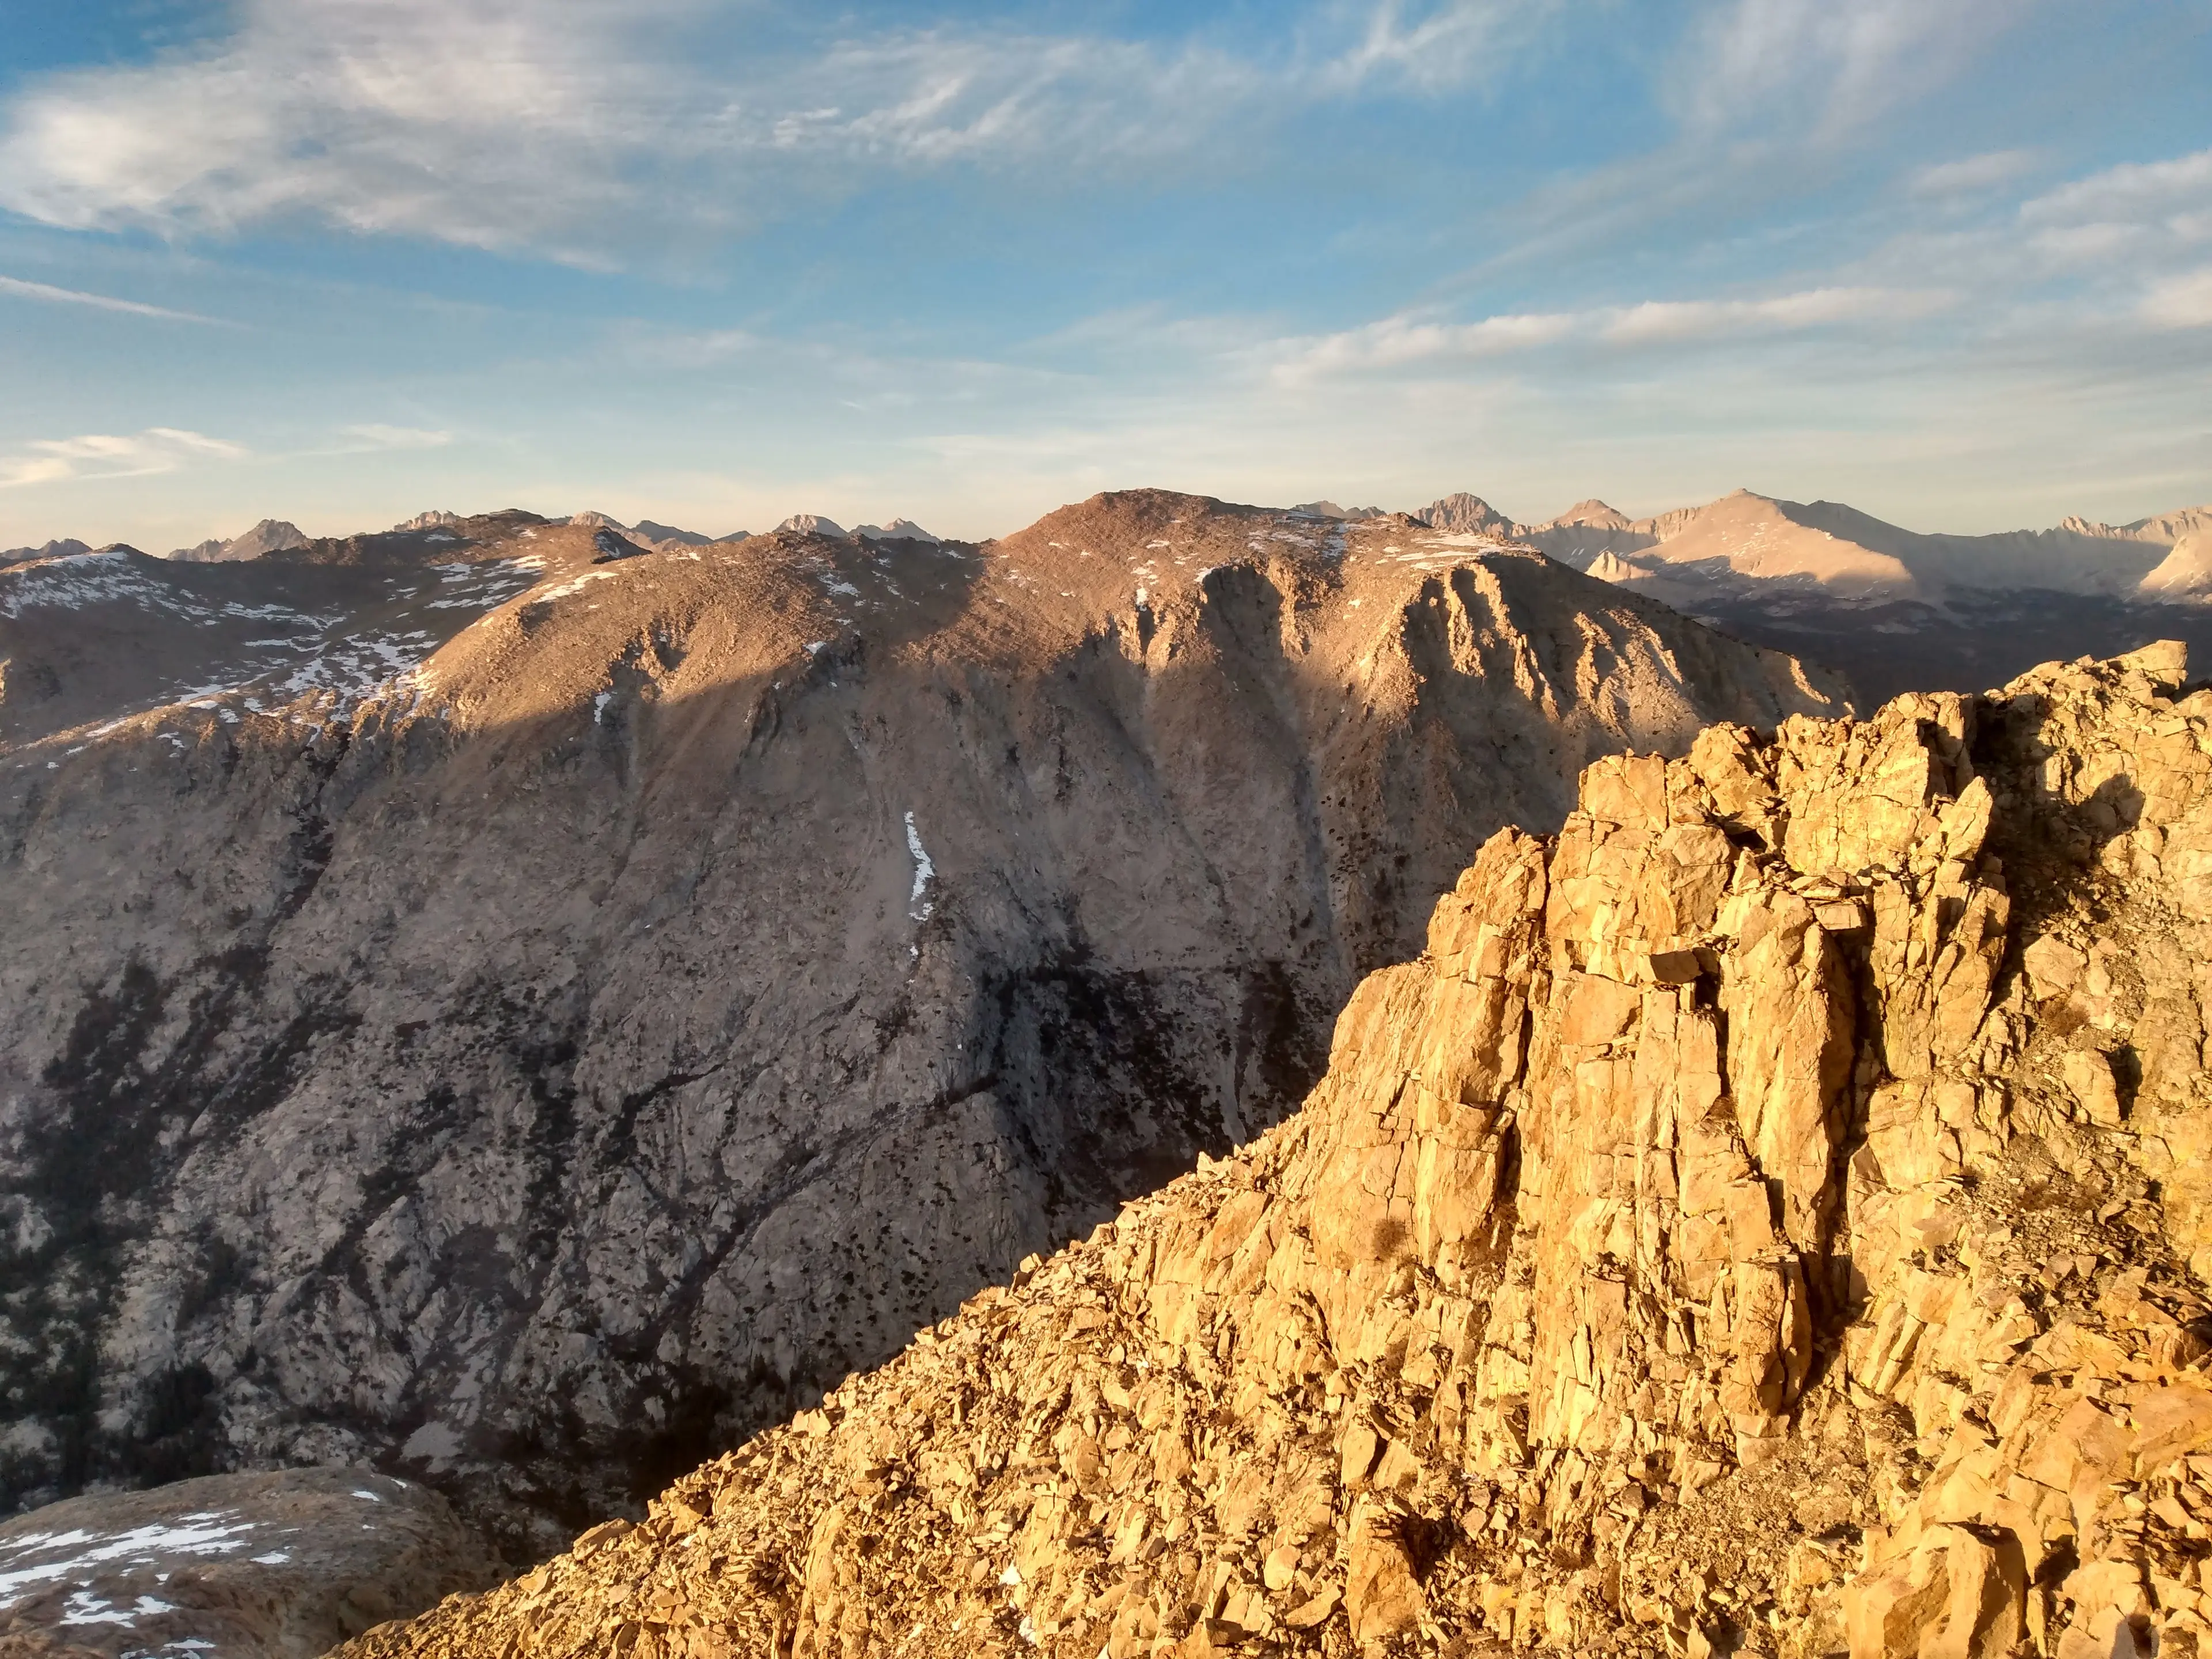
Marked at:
<point>918,904</point>
<point>76,1552</point>
<point>573,585</point>
<point>84,1607</point>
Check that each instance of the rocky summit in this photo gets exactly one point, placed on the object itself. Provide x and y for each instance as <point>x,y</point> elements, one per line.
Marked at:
<point>658,978</point>
<point>1769,1217</point>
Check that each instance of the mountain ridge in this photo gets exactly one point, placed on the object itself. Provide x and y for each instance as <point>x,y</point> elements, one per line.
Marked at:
<point>660,979</point>
<point>1876,558</point>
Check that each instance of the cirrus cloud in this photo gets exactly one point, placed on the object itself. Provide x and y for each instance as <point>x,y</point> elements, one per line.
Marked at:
<point>1405,341</point>
<point>574,127</point>
<point>70,296</point>
<point>102,455</point>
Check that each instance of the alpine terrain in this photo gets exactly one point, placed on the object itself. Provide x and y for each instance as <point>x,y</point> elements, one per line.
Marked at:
<point>526,1005</point>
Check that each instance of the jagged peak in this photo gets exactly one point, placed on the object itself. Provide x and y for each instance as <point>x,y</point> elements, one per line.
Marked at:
<point>1462,513</point>
<point>1594,514</point>
<point>897,529</point>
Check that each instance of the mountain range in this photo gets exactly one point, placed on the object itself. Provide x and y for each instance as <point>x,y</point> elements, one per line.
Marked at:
<point>1896,610</point>
<point>1746,538</point>
<point>1893,609</point>
<point>525,1004</point>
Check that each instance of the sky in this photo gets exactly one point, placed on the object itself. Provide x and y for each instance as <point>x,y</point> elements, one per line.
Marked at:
<point>341,261</point>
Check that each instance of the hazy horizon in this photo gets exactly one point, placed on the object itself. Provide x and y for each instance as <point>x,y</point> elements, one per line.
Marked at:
<point>340,261</point>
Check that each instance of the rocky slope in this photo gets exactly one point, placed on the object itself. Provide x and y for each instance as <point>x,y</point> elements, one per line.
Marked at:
<point>279,1565</point>
<point>1772,1217</point>
<point>551,1065</point>
<point>88,638</point>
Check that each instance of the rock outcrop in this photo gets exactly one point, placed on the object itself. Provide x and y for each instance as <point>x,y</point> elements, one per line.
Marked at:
<point>282,1565</point>
<point>1772,1216</point>
<point>551,1064</point>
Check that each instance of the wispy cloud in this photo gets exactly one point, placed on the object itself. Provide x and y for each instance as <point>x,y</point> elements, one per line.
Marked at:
<point>1764,100</point>
<point>373,436</point>
<point>70,296</point>
<point>574,127</point>
<point>1846,65</point>
<point>2136,192</point>
<point>1405,341</point>
<point>2183,302</point>
<point>1972,173</point>
<point>97,455</point>
<point>2145,213</point>
<point>1661,321</point>
<point>1435,46</point>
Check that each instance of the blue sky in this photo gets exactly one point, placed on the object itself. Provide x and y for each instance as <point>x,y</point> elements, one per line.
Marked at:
<point>341,260</point>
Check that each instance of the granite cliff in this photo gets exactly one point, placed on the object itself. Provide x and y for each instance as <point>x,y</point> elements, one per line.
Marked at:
<point>545,1048</point>
<point>1770,1216</point>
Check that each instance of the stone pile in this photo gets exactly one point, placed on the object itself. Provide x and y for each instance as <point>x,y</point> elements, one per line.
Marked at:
<point>1771,1218</point>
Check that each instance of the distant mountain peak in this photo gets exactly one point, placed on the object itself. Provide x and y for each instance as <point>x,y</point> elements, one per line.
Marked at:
<point>1462,513</point>
<point>897,529</point>
<point>434,520</point>
<point>269,536</point>
<point>813,524</point>
<point>1327,509</point>
<point>2185,575</point>
<point>1594,514</point>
